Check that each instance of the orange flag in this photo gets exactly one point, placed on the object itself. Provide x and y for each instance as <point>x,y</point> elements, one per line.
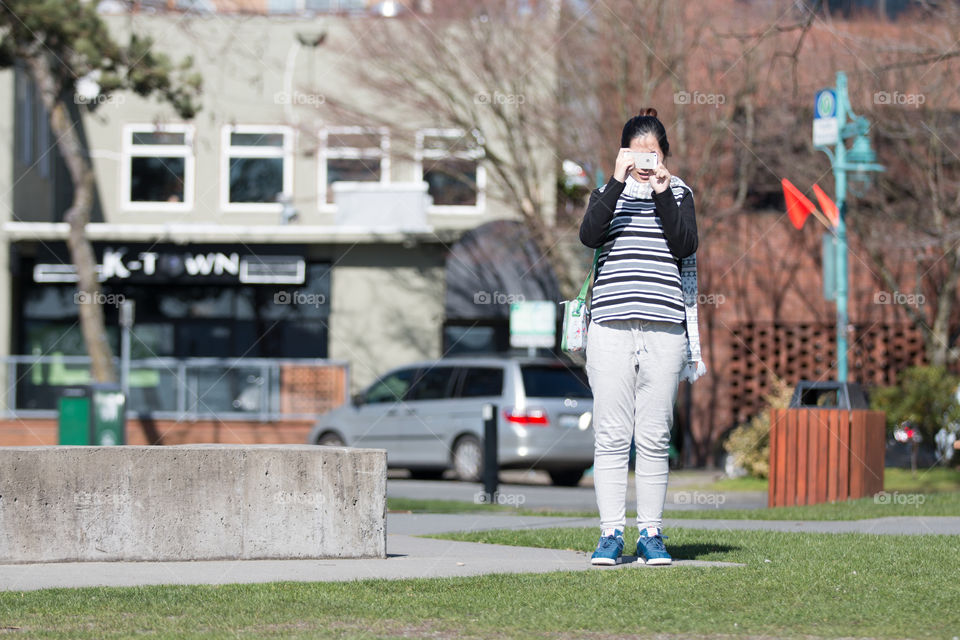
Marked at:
<point>828,205</point>
<point>799,206</point>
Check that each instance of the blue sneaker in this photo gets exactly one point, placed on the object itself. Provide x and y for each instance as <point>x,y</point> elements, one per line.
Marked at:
<point>609,549</point>
<point>650,547</point>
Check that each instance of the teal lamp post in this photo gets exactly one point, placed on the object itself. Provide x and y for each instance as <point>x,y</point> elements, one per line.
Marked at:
<point>830,130</point>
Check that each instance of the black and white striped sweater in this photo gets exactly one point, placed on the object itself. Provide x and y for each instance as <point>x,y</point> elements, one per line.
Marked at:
<point>644,235</point>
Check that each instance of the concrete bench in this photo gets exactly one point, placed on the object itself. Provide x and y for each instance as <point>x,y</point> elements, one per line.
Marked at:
<point>191,502</point>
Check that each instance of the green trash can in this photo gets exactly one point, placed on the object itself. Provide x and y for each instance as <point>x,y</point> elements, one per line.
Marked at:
<point>93,415</point>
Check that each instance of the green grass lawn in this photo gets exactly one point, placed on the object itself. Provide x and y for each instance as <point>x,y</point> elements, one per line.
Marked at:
<point>892,504</point>
<point>934,492</point>
<point>894,479</point>
<point>418,505</point>
<point>793,585</point>
<point>880,506</point>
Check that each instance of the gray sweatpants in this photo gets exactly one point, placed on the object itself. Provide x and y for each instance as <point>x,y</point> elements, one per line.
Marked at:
<point>634,367</point>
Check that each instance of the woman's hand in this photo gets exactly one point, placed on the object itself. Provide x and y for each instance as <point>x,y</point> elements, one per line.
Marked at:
<point>624,165</point>
<point>660,179</point>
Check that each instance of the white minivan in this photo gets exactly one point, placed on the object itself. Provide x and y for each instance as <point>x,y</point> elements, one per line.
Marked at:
<point>429,417</point>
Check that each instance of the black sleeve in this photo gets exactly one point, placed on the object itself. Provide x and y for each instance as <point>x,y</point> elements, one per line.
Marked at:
<point>600,211</point>
<point>679,223</point>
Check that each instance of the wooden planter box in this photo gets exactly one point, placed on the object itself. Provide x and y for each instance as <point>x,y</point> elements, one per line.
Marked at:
<point>824,455</point>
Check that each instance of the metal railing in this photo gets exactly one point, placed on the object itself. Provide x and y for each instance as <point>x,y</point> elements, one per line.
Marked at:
<point>262,389</point>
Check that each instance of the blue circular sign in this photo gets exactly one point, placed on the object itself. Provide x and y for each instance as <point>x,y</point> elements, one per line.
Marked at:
<point>826,106</point>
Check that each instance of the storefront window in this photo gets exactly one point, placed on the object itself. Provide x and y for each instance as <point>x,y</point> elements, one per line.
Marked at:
<point>192,304</point>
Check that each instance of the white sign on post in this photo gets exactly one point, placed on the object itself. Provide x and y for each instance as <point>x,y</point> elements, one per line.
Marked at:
<point>826,127</point>
<point>533,324</point>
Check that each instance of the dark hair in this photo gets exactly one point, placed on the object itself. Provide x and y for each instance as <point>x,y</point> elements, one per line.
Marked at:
<point>643,123</point>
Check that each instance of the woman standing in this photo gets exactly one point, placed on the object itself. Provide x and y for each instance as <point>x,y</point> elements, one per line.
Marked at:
<point>638,346</point>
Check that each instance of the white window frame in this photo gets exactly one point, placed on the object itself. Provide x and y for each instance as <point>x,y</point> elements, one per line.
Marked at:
<point>228,151</point>
<point>422,154</point>
<point>326,153</point>
<point>185,151</point>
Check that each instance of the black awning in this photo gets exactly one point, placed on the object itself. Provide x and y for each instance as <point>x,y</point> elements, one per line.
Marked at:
<point>493,265</point>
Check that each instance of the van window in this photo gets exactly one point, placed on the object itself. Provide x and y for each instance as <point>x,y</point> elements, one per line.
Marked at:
<point>432,384</point>
<point>545,381</point>
<point>482,382</point>
<point>390,388</point>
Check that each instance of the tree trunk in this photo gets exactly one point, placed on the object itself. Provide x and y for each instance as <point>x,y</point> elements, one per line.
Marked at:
<point>940,352</point>
<point>81,251</point>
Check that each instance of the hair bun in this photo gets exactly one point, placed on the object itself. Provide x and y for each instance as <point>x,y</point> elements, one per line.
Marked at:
<point>649,111</point>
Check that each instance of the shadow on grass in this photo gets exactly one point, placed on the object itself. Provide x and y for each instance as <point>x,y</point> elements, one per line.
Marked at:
<point>695,551</point>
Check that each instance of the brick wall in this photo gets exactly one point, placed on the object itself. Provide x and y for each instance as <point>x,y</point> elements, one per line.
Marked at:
<point>43,431</point>
<point>764,314</point>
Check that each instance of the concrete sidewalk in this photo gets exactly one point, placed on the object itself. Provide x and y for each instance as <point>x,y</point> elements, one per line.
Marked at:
<point>414,557</point>
<point>408,557</point>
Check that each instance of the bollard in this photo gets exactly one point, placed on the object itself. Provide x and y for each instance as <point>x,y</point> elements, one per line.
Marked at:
<point>491,462</point>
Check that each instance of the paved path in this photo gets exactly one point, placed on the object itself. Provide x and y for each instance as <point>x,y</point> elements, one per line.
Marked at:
<point>414,557</point>
<point>409,557</point>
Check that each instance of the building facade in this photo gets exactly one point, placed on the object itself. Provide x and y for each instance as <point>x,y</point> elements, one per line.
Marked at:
<point>262,228</point>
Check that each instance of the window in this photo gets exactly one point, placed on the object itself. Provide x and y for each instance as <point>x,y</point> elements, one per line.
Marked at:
<point>47,150</point>
<point>315,6</point>
<point>352,154</point>
<point>459,339</point>
<point>282,6</point>
<point>482,382</point>
<point>26,110</point>
<point>449,161</point>
<point>158,167</point>
<point>391,388</point>
<point>432,384</point>
<point>257,168</point>
<point>544,381</point>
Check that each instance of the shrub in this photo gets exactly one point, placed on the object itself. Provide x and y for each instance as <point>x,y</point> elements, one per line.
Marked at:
<point>749,443</point>
<point>925,396</point>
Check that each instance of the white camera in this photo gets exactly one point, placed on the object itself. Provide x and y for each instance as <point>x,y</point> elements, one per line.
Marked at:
<point>644,160</point>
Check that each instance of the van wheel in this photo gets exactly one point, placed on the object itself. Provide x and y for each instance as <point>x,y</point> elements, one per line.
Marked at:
<point>566,477</point>
<point>468,459</point>
<point>330,439</point>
